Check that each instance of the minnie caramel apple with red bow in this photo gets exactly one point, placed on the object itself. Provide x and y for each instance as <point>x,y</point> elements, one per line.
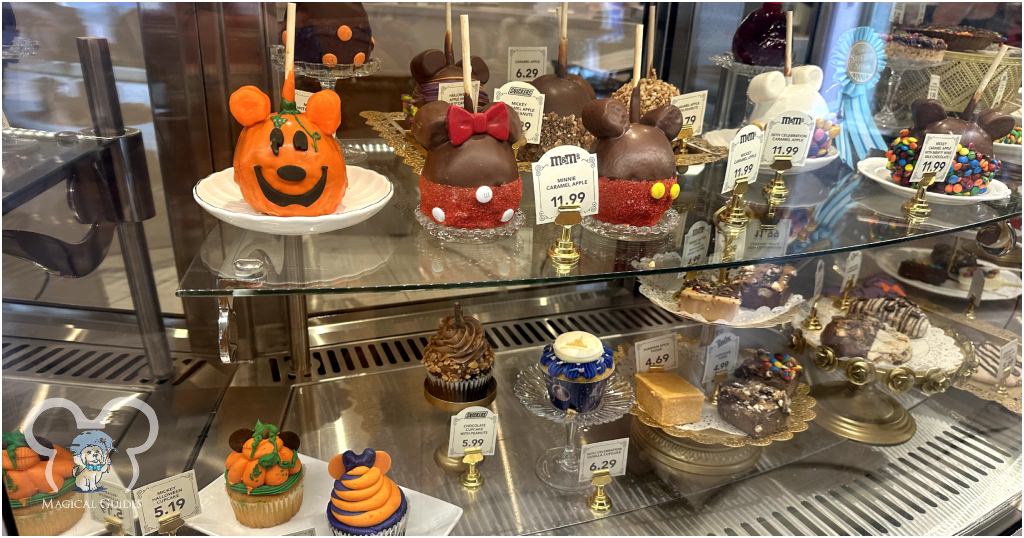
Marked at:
<point>287,163</point>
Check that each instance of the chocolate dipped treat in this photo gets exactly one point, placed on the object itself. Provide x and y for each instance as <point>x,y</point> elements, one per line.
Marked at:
<point>753,407</point>
<point>332,33</point>
<point>764,284</point>
<point>433,67</point>
<point>974,165</point>
<point>458,359</point>
<point>635,163</point>
<point>778,370</point>
<point>903,315</point>
<point>923,270</point>
<point>470,178</point>
<point>654,93</point>
<point>760,38</point>
<point>866,337</point>
<point>709,299</point>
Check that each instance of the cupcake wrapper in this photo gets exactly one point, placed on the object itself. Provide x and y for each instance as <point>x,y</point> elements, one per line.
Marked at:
<point>581,396</point>
<point>260,512</point>
<point>38,520</point>
<point>398,529</point>
<point>469,390</point>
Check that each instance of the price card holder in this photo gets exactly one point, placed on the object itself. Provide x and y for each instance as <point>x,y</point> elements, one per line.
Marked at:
<point>609,455</point>
<point>473,427</point>
<point>657,352</point>
<point>692,106</point>
<point>720,356</point>
<point>696,243</point>
<point>454,93</point>
<point>1007,359</point>
<point>788,136</point>
<point>301,98</point>
<point>115,501</point>
<point>527,63</point>
<point>528,103</point>
<point>176,494</point>
<point>767,241</point>
<point>850,269</point>
<point>564,175</point>
<point>819,279</point>
<point>933,86</point>
<point>741,246</point>
<point>744,157</point>
<point>935,155</point>
<point>304,532</point>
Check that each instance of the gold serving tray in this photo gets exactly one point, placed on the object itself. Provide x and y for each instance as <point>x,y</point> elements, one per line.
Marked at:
<point>389,126</point>
<point>801,414</point>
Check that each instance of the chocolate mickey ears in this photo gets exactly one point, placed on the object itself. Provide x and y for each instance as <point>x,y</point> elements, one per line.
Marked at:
<point>666,118</point>
<point>426,64</point>
<point>480,70</point>
<point>290,439</point>
<point>927,112</point>
<point>430,126</point>
<point>606,118</point>
<point>995,123</point>
<point>249,105</point>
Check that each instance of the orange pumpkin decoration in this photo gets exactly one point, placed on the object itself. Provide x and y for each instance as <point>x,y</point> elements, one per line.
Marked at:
<point>262,457</point>
<point>25,471</point>
<point>288,163</point>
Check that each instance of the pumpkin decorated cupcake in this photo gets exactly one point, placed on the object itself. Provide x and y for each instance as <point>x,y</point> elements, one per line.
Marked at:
<point>263,476</point>
<point>365,502</point>
<point>38,508</point>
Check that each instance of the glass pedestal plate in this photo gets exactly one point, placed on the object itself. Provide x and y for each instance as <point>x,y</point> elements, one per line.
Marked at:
<point>886,118</point>
<point>559,467</point>
<point>328,76</point>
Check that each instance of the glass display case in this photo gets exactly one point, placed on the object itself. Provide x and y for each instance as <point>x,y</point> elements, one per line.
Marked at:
<point>582,268</point>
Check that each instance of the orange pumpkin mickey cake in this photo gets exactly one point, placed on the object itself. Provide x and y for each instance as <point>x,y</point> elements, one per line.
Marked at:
<point>288,163</point>
<point>263,476</point>
<point>39,509</point>
<point>365,502</point>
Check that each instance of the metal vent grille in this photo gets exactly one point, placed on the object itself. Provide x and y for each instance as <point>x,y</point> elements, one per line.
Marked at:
<point>81,363</point>
<point>359,357</point>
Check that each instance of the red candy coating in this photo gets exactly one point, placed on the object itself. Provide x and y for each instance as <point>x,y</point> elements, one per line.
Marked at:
<point>460,205</point>
<point>629,201</point>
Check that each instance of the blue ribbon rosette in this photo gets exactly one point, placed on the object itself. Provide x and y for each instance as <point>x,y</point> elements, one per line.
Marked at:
<point>858,61</point>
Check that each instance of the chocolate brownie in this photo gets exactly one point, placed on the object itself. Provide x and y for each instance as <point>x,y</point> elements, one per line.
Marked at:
<point>778,370</point>
<point>753,407</point>
<point>765,284</point>
<point>924,271</point>
<point>866,337</point>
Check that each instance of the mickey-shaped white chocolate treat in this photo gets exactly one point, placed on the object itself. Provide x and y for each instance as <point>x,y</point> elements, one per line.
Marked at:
<point>773,95</point>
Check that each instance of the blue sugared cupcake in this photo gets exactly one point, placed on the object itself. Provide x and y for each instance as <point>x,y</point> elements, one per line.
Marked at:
<point>577,367</point>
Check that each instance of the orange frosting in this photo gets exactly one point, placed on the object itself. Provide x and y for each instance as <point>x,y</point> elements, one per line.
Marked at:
<point>25,472</point>
<point>367,492</point>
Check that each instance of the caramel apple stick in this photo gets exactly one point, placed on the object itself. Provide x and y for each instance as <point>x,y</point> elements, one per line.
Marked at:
<point>638,47</point>
<point>288,86</point>
<point>449,47</point>
<point>969,109</point>
<point>652,22</point>
<point>789,45</point>
<point>562,68</point>
<point>469,101</point>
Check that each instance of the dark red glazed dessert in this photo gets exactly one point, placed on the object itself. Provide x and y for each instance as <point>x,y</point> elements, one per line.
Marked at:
<point>635,163</point>
<point>470,178</point>
<point>761,38</point>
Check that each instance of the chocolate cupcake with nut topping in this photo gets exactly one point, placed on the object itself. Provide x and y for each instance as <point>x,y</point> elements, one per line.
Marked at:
<point>458,359</point>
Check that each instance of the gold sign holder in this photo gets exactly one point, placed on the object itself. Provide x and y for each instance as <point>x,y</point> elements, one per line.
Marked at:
<point>776,192</point>
<point>843,301</point>
<point>811,322</point>
<point>564,254</point>
<point>599,501</point>
<point>472,479</point>
<point>916,208</point>
<point>170,524</point>
<point>113,525</point>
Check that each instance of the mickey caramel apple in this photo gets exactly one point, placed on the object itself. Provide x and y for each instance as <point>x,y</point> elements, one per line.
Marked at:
<point>433,67</point>
<point>636,166</point>
<point>470,178</point>
<point>288,163</point>
<point>974,165</point>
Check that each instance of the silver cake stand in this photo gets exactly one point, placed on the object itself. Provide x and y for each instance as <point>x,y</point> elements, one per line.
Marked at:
<point>559,467</point>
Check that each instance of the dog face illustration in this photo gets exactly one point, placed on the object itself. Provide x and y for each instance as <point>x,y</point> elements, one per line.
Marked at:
<point>92,455</point>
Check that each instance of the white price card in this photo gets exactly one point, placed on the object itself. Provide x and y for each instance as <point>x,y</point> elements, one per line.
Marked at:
<point>935,155</point>
<point>176,494</point>
<point>527,63</point>
<point>933,86</point>
<point>656,352</point>
<point>564,175</point>
<point>1007,358</point>
<point>720,356</point>
<point>113,500</point>
<point>896,15</point>
<point>744,157</point>
<point>454,93</point>
<point>473,427</point>
<point>788,136</point>
<point>695,244</point>
<point>767,241</point>
<point>819,278</point>
<point>692,106</point>
<point>609,455</point>
<point>1001,89</point>
<point>528,103</point>
<point>850,268</point>
<point>301,98</point>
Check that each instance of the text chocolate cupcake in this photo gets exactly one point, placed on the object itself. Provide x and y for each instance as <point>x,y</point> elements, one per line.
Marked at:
<point>458,359</point>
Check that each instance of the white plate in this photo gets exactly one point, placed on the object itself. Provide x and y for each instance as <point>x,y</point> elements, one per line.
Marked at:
<point>367,193</point>
<point>427,516</point>
<point>1008,153</point>
<point>722,137</point>
<point>889,262</point>
<point>874,168</point>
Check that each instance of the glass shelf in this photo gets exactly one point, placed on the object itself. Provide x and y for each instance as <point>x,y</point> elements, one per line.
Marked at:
<point>830,210</point>
<point>34,161</point>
